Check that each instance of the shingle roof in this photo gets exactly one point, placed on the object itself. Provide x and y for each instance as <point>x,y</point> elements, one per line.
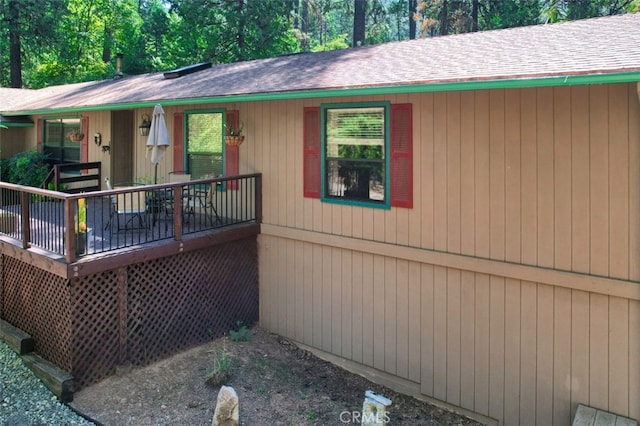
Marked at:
<point>607,45</point>
<point>10,98</point>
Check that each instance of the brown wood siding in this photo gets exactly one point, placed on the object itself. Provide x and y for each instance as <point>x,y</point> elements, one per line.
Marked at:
<point>509,289</point>
<point>521,352</point>
<point>541,177</point>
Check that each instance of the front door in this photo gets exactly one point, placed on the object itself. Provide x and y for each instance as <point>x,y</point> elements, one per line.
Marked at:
<point>122,130</point>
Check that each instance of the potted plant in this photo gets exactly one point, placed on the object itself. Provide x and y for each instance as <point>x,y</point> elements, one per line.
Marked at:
<point>233,135</point>
<point>75,136</point>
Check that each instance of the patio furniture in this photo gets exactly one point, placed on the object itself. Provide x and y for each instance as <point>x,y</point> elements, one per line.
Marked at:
<point>197,197</point>
<point>204,198</point>
<point>126,204</point>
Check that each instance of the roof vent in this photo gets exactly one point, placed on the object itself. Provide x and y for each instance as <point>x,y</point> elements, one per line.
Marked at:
<point>189,69</point>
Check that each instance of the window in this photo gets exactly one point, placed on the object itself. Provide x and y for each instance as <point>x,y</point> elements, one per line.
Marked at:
<point>359,154</point>
<point>355,153</point>
<point>205,147</point>
<point>59,144</point>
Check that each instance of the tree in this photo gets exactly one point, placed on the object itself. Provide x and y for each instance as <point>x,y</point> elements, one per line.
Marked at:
<point>27,25</point>
<point>359,7</point>
<point>412,23</point>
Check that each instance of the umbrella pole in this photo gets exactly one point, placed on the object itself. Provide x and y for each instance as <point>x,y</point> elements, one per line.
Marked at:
<point>155,174</point>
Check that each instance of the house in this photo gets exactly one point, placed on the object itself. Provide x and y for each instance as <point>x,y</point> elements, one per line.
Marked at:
<point>454,217</point>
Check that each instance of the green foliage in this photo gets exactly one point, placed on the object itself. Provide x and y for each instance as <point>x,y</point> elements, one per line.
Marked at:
<point>64,41</point>
<point>310,415</point>
<point>240,334</point>
<point>339,42</point>
<point>221,362</point>
<point>27,168</point>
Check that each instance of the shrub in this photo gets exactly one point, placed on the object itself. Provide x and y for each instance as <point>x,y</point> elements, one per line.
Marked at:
<point>242,334</point>
<point>27,168</point>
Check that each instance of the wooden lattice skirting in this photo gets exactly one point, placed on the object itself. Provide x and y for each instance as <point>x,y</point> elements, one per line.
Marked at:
<point>135,314</point>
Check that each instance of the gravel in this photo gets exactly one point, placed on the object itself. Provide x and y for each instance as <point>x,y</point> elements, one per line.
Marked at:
<point>25,401</point>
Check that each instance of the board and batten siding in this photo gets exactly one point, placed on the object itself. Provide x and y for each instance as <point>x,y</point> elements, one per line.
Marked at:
<point>509,289</point>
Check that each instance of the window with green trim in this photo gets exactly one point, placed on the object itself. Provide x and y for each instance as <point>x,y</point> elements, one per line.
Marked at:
<point>204,144</point>
<point>355,144</point>
<point>60,144</point>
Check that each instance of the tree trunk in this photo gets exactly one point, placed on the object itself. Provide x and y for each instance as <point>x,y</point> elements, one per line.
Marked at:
<point>474,16</point>
<point>358,22</point>
<point>15,47</point>
<point>304,26</point>
<point>106,47</point>
<point>240,33</point>
<point>444,18</point>
<point>413,4</point>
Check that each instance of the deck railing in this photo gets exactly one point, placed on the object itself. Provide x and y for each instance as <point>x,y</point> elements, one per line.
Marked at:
<point>125,216</point>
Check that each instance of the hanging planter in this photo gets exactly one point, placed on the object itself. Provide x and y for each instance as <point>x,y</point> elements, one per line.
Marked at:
<point>234,140</point>
<point>75,136</point>
<point>233,135</point>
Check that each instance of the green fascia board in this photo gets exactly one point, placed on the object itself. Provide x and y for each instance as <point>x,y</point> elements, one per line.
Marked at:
<point>15,124</point>
<point>449,86</point>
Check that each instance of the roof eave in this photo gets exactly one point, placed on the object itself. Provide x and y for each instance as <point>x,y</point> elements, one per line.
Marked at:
<point>15,121</point>
<point>420,87</point>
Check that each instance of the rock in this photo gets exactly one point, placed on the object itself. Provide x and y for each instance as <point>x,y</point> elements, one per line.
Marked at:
<point>226,413</point>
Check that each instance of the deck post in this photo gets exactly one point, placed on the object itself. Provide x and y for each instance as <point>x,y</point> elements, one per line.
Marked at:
<point>258,198</point>
<point>177,213</point>
<point>70,230</point>
<point>26,230</point>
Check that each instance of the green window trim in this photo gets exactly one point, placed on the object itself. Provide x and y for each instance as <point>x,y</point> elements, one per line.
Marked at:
<point>57,142</point>
<point>356,166</point>
<point>204,153</point>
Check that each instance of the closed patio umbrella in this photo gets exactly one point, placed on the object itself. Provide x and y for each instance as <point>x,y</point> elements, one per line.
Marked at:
<point>158,139</point>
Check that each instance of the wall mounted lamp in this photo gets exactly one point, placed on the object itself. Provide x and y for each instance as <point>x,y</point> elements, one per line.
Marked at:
<point>97,138</point>
<point>145,125</point>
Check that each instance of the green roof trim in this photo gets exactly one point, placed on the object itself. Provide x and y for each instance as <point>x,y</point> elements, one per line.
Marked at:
<point>564,80</point>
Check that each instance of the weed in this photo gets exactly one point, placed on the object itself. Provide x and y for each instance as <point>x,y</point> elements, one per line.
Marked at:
<point>310,415</point>
<point>303,396</point>
<point>261,390</point>
<point>242,334</point>
<point>220,369</point>
<point>222,362</point>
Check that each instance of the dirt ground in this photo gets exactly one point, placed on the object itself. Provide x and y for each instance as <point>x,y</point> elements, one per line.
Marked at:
<point>277,384</point>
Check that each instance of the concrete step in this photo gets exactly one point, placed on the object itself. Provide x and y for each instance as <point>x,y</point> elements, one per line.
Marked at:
<point>589,416</point>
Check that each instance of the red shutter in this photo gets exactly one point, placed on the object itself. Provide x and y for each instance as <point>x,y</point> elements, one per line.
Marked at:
<point>401,156</point>
<point>178,142</point>
<point>232,168</point>
<point>84,144</point>
<point>232,153</point>
<point>311,139</point>
<point>39,135</point>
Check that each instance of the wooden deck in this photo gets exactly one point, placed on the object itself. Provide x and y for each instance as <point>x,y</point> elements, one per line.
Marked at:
<point>176,274</point>
<point>136,218</point>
